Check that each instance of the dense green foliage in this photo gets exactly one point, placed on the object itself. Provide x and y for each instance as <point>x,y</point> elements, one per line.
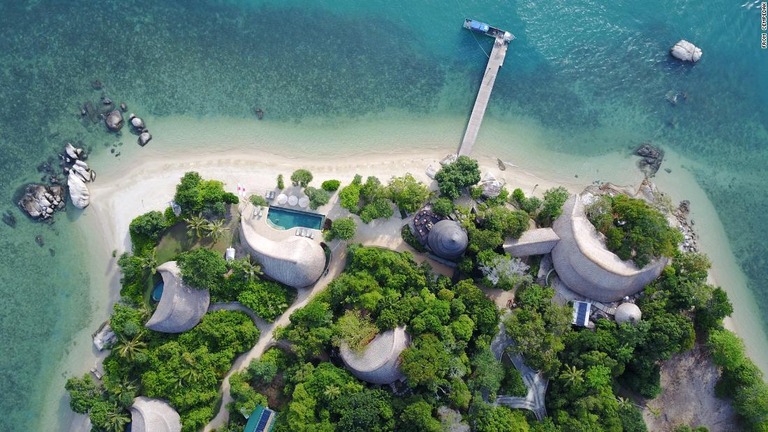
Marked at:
<point>266,299</point>
<point>317,197</point>
<point>407,193</point>
<point>442,206</point>
<point>330,185</point>
<point>552,206</point>
<point>198,196</point>
<point>451,327</point>
<point>202,269</point>
<point>342,229</point>
<point>147,228</point>
<point>633,229</point>
<point>301,177</point>
<point>529,205</point>
<point>184,369</point>
<point>741,380</point>
<point>280,182</point>
<point>454,177</point>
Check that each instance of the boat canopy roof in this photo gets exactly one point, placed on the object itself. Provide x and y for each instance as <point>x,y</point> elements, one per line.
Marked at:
<point>476,26</point>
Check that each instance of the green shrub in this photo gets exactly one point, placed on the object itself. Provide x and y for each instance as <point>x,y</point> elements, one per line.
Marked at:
<point>455,176</point>
<point>317,197</point>
<point>330,185</point>
<point>410,238</point>
<point>342,229</point>
<point>280,182</point>
<point>442,206</point>
<point>258,200</point>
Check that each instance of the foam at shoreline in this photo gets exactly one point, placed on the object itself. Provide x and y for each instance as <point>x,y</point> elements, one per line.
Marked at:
<point>253,153</point>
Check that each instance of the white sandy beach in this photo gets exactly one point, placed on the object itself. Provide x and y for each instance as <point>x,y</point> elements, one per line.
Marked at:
<point>253,154</point>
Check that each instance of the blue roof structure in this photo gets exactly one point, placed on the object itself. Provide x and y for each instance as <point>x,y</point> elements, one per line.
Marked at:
<point>581,312</point>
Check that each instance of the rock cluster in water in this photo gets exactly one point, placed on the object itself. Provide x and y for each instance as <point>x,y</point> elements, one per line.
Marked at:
<point>651,158</point>
<point>686,51</point>
<point>112,115</point>
<point>39,201</point>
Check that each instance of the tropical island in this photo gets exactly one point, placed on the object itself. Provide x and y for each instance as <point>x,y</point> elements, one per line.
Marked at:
<point>410,304</point>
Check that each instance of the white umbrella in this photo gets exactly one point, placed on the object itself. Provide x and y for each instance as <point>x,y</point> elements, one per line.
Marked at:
<point>293,200</point>
<point>282,198</point>
<point>303,202</point>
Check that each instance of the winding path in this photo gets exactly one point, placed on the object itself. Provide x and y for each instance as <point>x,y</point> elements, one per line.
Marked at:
<point>535,381</point>
<point>267,330</point>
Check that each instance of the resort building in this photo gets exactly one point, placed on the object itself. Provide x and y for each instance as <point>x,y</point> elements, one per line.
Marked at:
<point>586,267</point>
<point>628,312</point>
<point>447,239</point>
<point>181,307</point>
<point>293,260</point>
<point>379,362</point>
<point>532,242</point>
<point>153,415</point>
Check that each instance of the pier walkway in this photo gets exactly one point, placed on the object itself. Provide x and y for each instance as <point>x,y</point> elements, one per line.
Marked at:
<point>495,61</point>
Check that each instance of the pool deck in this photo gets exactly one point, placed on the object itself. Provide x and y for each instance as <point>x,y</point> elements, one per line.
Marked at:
<point>262,227</point>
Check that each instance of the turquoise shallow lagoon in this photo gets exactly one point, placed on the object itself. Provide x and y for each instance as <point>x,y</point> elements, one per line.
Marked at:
<point>592,76</point>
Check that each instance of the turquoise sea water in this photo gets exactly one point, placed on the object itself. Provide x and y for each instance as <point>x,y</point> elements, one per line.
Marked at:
<point>593,74</point>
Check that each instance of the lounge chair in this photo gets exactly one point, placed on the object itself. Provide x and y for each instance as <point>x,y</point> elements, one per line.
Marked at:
<point>311,235</point>
<point>298,231</point>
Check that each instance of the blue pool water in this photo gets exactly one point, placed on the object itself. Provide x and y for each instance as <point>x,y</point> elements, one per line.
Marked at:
<point>157,291</point>
<point>282,218</point>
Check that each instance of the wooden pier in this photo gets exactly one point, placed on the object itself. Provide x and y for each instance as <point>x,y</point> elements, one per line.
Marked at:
<point>495,61</point>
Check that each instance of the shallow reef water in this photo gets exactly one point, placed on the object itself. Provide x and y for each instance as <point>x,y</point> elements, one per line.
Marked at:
<point>595,74</point>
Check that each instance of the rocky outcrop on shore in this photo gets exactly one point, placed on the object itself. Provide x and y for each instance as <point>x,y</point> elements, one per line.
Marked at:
<point>652,157</point>
<point>78,174</point>
<point>690,238</point>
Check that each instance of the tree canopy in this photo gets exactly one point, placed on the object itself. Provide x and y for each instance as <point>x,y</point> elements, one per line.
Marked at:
<point>301,177</point>
<point>457,175</point>
<point>196,195</point>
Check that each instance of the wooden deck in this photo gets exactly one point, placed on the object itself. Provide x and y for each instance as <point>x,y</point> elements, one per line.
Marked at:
<point>495,61</point>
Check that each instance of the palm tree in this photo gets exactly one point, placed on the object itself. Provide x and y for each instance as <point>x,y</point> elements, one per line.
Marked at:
<point>250,268</point>
<point>196,225</point>
<point>332,392</point>
<point>116,419</point>
<point>149,262</point>
<point>128,348</point>
<point>216,229</point>
<point>573,376</point>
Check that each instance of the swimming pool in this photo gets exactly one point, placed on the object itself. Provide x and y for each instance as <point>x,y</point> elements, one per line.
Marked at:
<point>157,291</point>
<point>283,218</point>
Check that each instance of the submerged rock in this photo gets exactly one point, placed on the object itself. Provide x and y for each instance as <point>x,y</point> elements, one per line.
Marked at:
<point>9,219</point>
<point>114,120</point>
<point>651,158</point>
<point>136,122</point>
<point>144,138</point>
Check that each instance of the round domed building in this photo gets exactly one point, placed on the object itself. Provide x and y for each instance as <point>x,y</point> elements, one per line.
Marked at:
<point>447,239</point>
<point>628,312</point>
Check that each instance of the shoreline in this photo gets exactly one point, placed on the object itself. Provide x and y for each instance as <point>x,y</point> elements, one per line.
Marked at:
<point>144,179</point>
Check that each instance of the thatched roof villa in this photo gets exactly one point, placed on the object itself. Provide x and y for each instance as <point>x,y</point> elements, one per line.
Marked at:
<point>295,261</point>
<point>447,239</point>
<point>153,415</point>
<point>379,362</point>
<point>181,307</point>
<point>584,265</point>
<point>533,242</point>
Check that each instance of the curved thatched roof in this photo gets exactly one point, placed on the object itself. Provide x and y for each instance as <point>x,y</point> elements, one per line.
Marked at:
<point>584,264</point>
<point>628,312</point>
<point>153,415</point>
<point>379,363</point>
<point>295,261</point>
<point>447,239</point>
<point>533,242</point>
<point>181,307</point>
